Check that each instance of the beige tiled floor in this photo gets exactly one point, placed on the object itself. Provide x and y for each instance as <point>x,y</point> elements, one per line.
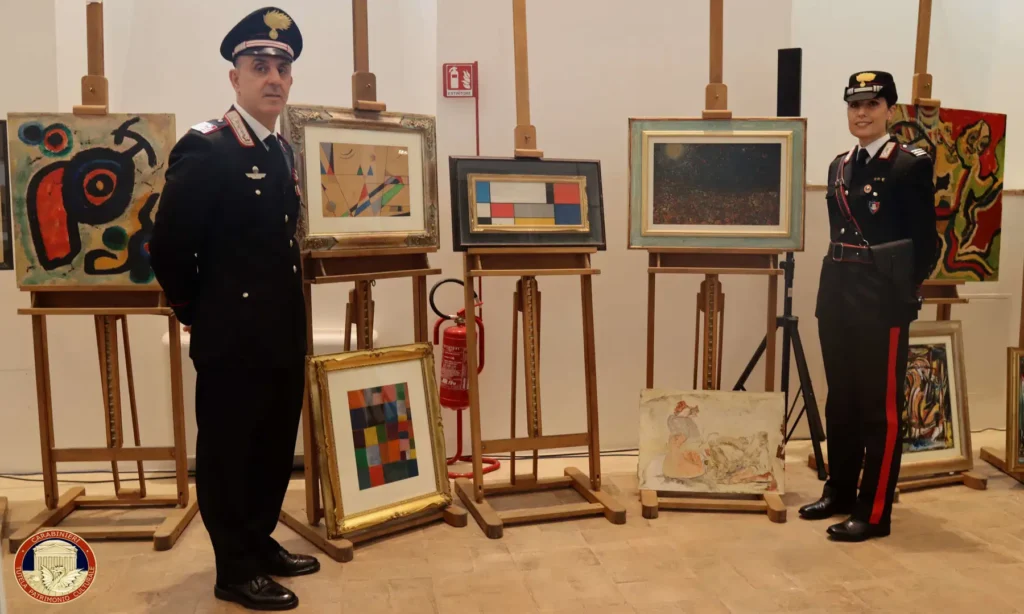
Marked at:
<point>953,550</point>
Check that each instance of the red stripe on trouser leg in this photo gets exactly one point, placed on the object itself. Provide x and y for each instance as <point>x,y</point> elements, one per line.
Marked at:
<point>891,428</point>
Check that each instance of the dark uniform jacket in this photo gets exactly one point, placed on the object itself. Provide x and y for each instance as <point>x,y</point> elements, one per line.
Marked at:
<point>224,247</point>
<point>891,198</point>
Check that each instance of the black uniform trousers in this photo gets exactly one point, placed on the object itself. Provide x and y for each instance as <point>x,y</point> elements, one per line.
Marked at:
<point>865,368</point>
<point>248,420</point>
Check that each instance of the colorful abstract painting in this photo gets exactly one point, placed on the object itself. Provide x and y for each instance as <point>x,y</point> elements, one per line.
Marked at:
<point>928,414</point>
<point>382,435</point>
<point>535,203</point>
<point>717,184</point>
<point>522,202</point>
<point>968,148</point>
<point>712,441</point>
<point>84,196</point>
<point>6,240</point>
<point>364,180</point>
<point>936,430</point>
<point>726,185</point>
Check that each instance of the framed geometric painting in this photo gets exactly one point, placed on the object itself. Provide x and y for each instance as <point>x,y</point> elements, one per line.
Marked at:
<point>936,422</point>
<point>1015,411</point>
<point>366,183</point>
<point>84,193</point>
<point>969,153</point>
<point>712,442</point>
<point>730,185</point>
<point>515,202</point>
<point>378,429</point>
<point>6,239</point>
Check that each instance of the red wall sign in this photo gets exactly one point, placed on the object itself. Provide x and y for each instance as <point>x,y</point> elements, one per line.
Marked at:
<point>459,80</point>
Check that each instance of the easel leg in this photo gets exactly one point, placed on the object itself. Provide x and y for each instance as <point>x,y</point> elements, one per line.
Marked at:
<point>773,316</point>
<point>650,329</point>
<point>110,378</point>
<point>590,375</point>
<point>44,401</point>
<point>997,458</point>
<point>517,308</point>
<point>473,384</point>
<point>310,454</point>
<point>186,496</point>
<point>136,435</point>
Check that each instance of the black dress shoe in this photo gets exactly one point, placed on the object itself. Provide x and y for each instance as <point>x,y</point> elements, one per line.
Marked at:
<point>260,593</point>
<point>825,507</point>
<point>854,530</point>
<point>286,564</point>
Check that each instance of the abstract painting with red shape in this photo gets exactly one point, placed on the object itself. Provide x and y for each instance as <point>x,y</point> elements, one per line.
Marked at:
<point>968,149</point>
<point>84,194</point>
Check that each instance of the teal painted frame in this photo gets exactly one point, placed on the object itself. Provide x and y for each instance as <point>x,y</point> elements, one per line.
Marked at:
<point>794,238</point>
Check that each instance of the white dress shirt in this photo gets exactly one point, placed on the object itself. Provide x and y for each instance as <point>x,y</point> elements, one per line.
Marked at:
<point>872,147</point>
<point>259,129</point>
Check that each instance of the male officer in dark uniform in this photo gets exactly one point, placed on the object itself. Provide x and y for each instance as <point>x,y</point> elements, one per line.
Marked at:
<point>225,253</point>
<point>883,246</point>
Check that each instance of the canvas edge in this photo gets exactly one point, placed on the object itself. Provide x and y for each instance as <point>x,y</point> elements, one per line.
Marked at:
<point>1013,357</point>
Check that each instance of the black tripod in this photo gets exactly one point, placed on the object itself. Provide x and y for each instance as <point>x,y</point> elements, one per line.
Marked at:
<point>791,334</point>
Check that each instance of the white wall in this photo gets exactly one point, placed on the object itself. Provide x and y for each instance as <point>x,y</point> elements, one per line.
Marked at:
<point>593,64</point>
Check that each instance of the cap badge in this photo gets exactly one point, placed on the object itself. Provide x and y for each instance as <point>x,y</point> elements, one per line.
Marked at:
<point>864,77</point>
<point>276,20</point>
<point>867,189</point>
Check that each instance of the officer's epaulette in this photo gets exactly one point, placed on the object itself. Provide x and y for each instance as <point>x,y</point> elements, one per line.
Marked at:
<point>917,151</point>
<point>209,127</point>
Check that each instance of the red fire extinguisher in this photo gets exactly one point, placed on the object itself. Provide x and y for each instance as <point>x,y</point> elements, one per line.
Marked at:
<point>454,381</point>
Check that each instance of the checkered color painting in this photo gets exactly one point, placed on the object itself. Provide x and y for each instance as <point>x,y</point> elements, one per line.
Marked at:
<point>382,435</point>
<point>525,203</point>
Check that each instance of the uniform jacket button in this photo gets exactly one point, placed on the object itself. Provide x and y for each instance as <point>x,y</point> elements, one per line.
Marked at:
<point>295,269</point>
<point>258,192</point>
<point>285,218</point>
<point>245,295</point>
<point>291,242</point>
<point>842,231</point>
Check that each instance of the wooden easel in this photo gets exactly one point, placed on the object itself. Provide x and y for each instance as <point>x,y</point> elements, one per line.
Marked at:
<point>941,293</point>
<point>711,312</point>
<point>362,269</point>
<point>108,305</point>
<point>527,264</point>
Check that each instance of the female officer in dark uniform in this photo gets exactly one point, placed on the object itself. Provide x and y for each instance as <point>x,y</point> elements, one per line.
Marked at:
<point>883,245</point>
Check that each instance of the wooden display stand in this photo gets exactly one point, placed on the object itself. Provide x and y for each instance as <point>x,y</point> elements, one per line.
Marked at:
<point>969,478</point>
<point>108,305</point>
<point>362,268</point>
<point>528,264</point>
<point>997,457</point>
<point>710,318</point>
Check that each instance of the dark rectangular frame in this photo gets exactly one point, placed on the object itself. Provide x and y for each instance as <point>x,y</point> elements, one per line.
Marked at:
<point>462,239</point>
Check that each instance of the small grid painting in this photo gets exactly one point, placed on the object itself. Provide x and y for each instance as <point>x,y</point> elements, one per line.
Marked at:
<point>528,202</point>
<point>382,435</point>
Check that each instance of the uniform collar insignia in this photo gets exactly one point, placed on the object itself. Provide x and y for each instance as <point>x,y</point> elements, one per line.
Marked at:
<point>849,155</point>
<point>887,150</point>
<point>239,128</point>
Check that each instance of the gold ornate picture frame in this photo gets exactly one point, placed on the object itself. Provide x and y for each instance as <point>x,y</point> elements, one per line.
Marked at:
<point>367,182</point>
<point>379,434</point>
<point>1014,410</point>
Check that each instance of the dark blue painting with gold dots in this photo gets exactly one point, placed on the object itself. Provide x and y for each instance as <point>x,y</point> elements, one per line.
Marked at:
<point>84,193</point>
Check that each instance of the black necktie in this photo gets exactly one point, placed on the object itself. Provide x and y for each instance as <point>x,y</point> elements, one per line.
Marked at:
<point>274,144</point>
<point>862,157</point>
